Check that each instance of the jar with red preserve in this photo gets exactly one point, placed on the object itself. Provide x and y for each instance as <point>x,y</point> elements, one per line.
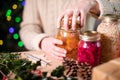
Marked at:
<point>70,40</point>
<point>89,48</point>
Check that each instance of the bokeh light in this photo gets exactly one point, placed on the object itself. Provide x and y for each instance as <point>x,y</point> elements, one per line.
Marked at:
<point>17,19</point>
<point>1,42</point>
<point>20,44</point>
<point>8,13</point>
<point>20,0</point>
<point>8,18</point>
<point>23,3</point>
<point>14,6</point>
<point>15,36</point>
<point>11,16</point>
<point>11,30</point>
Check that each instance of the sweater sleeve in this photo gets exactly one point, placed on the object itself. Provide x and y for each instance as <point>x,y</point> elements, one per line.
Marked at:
<point>31,32</point>
<point>109,7</point>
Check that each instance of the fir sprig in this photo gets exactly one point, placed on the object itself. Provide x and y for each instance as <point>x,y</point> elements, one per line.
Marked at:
<point>20,67</point>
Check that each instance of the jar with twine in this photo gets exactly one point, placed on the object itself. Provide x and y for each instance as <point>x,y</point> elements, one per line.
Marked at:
<point>70,38</point>
<point>110,37</point>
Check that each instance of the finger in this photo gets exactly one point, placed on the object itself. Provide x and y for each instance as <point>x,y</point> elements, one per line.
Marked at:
<point>68,13</point>
<point>57,41</point>
<point>83,18</point>
<point>54,53</point>
<point>67,16</point>
<point>74,18</point>
<point>66,20</point>
<point>60,50</point>
<point>59,20</point>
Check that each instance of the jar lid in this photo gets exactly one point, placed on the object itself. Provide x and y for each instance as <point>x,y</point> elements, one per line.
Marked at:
<point>110,18</point>
<point>90,36</point>
<point>70,23</point>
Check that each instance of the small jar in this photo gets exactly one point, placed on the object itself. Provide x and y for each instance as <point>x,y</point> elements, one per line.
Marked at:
<point>70,40</point>
<point>89,48</point>
<point>110,37</point>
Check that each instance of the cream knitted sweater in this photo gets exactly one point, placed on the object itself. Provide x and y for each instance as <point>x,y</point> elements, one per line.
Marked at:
<point>40,17</point>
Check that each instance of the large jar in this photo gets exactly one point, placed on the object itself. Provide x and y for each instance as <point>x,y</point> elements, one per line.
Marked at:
<point>70,40</point>
<point>110,37</point>
<point>89,48</point>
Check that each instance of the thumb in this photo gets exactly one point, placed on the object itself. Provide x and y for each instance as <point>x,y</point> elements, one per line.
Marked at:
<point>57,41</point>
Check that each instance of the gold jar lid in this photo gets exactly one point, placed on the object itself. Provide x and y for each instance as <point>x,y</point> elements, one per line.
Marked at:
<point>110,18</point>
<point>90,36</point>
<point>70,23</point>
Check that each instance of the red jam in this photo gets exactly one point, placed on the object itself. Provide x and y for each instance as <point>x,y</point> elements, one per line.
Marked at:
<point>89,51</point>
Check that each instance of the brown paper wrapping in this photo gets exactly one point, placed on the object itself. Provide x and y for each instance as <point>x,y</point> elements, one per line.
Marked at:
<point>107,71</point>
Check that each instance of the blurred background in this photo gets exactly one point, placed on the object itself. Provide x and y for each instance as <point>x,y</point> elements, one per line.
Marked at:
<point>10,19</point>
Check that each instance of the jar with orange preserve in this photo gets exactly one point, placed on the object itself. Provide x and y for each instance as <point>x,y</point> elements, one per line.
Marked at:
<point>89,48</point>
<point>70,40</point>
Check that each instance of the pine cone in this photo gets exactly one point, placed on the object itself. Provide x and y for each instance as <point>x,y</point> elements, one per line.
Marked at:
<point>73,69</point>
<point>86,71</point>
<point>70,67</point>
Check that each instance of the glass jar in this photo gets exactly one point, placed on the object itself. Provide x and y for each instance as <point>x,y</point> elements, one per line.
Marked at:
<point>70,40</point>
<point>110,37</point>
<point>89,48</point>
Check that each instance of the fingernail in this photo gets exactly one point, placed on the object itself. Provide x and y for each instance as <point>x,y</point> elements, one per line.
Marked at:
<point>61,42</point>
<point>64,55</point>
<point>58,26</point>
<point>65,51</point>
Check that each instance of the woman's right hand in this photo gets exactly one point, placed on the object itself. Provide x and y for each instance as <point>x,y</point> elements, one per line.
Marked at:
<point>82,8</point>
<point>48,45</point>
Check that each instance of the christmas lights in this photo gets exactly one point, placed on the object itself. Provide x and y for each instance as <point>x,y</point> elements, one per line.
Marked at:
<point>10,18</point>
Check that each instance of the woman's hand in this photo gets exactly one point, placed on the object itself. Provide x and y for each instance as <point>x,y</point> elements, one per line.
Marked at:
<point>48,45</point>
<point>81,9</point>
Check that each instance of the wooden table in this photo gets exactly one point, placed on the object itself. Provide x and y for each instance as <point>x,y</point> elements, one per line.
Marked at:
<point>44,56</point>
<point>100,72</point>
